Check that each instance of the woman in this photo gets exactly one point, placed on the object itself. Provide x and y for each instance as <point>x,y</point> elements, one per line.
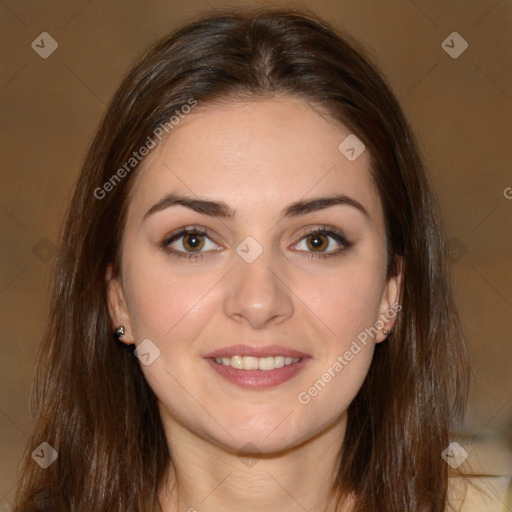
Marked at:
<point>254,225</point>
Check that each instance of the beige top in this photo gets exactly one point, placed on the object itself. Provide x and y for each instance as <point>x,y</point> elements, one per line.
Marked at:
<point>483,494</point>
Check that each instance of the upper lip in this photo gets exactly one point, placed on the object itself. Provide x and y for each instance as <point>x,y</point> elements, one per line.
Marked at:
<point>256,351</point>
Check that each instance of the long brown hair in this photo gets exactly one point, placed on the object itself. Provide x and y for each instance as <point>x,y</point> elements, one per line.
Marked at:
<point>90,399</point>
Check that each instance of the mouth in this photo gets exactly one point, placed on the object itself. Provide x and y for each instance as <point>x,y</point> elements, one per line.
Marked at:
<point>257,363</point>
<point>257,372</point>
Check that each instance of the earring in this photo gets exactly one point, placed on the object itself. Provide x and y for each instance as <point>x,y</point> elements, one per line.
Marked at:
<point>386,332</point>
<point>119,333</point>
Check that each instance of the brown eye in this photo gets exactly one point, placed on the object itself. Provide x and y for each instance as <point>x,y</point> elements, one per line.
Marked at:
<point>322,242</point>
<point>193,241</point>
<point>317,242</point>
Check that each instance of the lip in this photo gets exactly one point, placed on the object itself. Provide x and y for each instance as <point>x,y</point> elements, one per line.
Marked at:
<point>258,379</point>
<point>256,351</point>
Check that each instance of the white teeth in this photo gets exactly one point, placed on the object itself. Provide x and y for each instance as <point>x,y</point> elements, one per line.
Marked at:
<point>279,361</point>
<point>256,363</point>
<point>250,363</point>
<point>266,363</point>
<point>237,362</point>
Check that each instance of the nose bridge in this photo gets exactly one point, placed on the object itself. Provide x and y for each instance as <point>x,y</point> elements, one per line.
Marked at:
<point>256,291</point>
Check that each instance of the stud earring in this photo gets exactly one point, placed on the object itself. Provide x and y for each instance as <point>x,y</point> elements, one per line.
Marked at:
<point>119,333</point>
<point>386,332</point>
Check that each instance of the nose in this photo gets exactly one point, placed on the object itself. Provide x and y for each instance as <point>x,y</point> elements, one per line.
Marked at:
<point>257,293</point>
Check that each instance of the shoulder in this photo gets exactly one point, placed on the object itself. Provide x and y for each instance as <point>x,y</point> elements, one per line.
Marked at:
<point>480,494</point>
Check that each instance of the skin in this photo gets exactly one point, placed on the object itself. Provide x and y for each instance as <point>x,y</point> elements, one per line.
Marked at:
<point>257,157</point>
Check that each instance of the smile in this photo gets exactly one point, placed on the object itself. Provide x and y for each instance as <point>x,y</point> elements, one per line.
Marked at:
<point>257,372</point>
<point>257,363</point>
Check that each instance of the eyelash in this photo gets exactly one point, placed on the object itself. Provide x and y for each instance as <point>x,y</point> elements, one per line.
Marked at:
<point>338,236</point>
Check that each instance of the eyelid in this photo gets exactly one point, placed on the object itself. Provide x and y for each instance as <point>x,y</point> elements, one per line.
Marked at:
<point>183,231</point>
<point>323,229</point>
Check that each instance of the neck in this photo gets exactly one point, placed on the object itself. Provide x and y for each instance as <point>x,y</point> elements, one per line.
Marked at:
<point>206,477</point>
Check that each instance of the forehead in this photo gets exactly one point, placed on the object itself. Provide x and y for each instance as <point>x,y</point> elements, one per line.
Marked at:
<point>262,154</point>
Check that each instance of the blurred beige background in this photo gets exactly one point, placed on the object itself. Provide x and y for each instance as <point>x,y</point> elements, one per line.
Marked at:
<point>460,108</point>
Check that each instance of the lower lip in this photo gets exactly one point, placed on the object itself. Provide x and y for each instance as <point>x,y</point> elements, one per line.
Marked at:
<point>258,379</point>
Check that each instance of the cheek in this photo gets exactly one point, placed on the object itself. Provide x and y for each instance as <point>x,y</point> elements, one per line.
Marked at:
<point>330,392</point>
<point>172,309</point>
<point>346,300</point>
<point>348,304</point>
<point>165,305</point>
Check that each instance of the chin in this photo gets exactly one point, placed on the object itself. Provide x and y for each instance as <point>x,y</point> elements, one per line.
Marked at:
<point>258,444</point>
<point>270,434</point>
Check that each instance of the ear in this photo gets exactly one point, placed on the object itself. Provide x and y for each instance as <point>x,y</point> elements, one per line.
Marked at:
<point>390,302</point>
<point>117,305</point>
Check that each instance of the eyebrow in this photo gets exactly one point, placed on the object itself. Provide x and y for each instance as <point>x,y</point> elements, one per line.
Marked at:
<point>222,210</point>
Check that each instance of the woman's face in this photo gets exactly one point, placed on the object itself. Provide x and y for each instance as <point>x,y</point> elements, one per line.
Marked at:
<point>249,280</point>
